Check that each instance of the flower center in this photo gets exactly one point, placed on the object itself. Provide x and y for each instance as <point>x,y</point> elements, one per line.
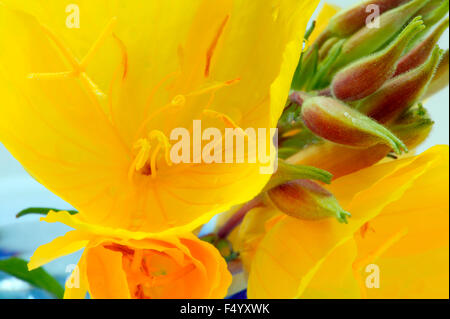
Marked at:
<point>149,150</point>
<point>149,271</point>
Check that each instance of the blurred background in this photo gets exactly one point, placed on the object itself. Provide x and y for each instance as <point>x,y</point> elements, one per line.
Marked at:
<point>20,237</point>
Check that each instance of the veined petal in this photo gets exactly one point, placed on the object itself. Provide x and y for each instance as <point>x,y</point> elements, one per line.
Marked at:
<point>293,250</point>
<point>263,39</point>
<point>54,127</point>
<point>174,60</point>
<point>411,231</point>
<point>334,278</point>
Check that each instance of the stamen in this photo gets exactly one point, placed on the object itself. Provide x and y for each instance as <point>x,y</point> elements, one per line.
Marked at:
<point>162,139</point>
<point>51,76</point>
<point>143,157</point>
<point>63,49</point>
<point>153,160</point>
<point>144,152</point>
<point>180,99</point>
<point>106,32</point>
<point>91,86</point>
<point>214,87</point>
<point>78,70</point>
<point>223,117</point>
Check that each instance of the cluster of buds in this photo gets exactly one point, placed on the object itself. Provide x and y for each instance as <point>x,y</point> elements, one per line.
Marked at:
<point>358,93</point>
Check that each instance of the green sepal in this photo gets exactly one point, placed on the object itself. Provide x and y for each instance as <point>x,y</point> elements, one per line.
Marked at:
<point>287,172</point>
<point>42,211</point>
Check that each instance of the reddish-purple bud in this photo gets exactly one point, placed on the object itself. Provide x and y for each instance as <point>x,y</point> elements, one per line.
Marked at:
<point>369,39</point>
<point>339,123</point>
<point>345,160</point>
<point>400,93</point>
<point>422,51</point>
<point>367,75</point>
<point>304,199</point>
<point>347,22</point>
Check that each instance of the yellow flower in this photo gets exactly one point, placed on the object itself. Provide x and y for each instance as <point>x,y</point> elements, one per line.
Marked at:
<point>88,110</point>
<point>400,220</point>
<point>167,266</point>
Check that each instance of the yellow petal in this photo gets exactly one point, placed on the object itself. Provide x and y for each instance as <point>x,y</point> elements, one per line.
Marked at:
<point>293,250</point>
<point>107,279</point>
<point>334,278</point>
<point>251,232</point>
<point>75,134</point>
<point>414,231</point>
<point>327,12</point>
<point>416,276</point>
<point>77,284</point>
<point>71,242</point>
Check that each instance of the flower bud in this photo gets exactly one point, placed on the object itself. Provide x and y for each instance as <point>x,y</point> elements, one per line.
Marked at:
<point>440,78</point>
<point>349,21</point>
<point>422,51</point>
<point>287,172</point>
<point>367,75</point>
<point>339,123</point>
<point>434,11</point>
<point>413,127</point>
<point>326,47</point>
<point>304,199</point>
<point>400,93</point>
<point>368,39</point>
<point>344,160</point>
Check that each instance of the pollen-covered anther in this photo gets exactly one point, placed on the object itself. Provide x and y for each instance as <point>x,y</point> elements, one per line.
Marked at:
<point>148,154</point>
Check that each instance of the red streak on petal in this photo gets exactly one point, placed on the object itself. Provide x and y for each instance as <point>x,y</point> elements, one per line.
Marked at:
<point>124,55</point>
<point>212,47</point>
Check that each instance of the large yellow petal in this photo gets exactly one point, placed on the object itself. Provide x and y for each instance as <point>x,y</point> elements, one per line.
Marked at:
<point>412,231</point>
<point>334,278</point>
<point>423,275</point>
<point>293,250</point>
<point>234,57</point>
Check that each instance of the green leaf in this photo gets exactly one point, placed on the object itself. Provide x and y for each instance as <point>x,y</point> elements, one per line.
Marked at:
<point>325,67</point>
<point>306,70</point>
<point>310,30</point>
<point>42,211</point>
<point>38,277</point>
